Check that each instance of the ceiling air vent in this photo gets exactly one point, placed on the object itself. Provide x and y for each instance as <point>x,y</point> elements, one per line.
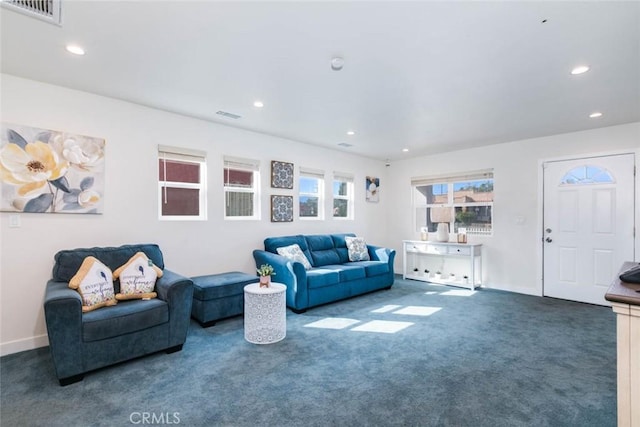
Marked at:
<point>227,115</point>
<point>46,10</point>
<point>345,144</point>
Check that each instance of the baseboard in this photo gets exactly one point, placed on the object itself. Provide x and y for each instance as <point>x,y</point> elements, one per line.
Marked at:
<point>23,345</point>
<point>521,290</point>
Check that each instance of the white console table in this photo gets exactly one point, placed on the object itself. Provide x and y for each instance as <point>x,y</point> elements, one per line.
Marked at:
<point>415,250</point>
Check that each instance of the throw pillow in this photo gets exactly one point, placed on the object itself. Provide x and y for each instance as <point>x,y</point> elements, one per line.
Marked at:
<point>137,278</point>
<point>294,253</point>
<point>94,283</point>
<point>357,249</point>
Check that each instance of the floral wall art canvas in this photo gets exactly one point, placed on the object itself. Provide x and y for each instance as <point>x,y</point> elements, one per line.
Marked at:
<point>50,171</point>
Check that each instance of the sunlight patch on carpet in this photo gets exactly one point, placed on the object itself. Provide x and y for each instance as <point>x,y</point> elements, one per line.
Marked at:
<point>459,293</point>
<point>430,293</point>
<point>386,308</point>
<point>414,310</point>
<point>382,326</point>
<point>332,323</point>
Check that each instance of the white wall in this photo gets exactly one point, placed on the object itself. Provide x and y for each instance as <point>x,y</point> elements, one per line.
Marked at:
<point>132,133</point>
<point>512,256</point>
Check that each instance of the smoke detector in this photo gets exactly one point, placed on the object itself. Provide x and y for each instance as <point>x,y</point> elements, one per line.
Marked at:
<point>337,63</point>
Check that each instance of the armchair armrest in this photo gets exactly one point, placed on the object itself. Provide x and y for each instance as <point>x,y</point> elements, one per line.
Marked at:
<point>291,274</point>
<point>63,316</point>
<point>177,291</point>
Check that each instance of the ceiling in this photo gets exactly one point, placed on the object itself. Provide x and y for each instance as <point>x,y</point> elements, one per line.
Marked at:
<point>426,76</point>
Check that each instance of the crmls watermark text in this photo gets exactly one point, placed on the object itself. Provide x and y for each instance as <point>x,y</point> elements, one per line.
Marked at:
<point>154,418</point>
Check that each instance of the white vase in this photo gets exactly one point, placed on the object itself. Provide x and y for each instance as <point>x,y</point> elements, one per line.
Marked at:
<point>443,232</point>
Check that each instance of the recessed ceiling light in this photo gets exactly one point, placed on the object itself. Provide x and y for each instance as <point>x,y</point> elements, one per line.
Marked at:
<point>258,104</point>
<point>350,132</point>
<point>404,150</point>
<point>595,115</point>
<point>580,69</point>
<point>75,49</point>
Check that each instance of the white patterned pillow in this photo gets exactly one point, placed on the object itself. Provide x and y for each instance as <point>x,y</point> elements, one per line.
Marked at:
<point>357,249</point>
<point>137,278</point>
<point>294,253</point>
<point>94,283</point>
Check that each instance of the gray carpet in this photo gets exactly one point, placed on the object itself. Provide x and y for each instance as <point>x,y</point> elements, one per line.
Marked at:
<point>490,359</point>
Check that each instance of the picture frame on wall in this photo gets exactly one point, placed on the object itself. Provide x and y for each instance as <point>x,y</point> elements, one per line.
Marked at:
<point>281,208</point>
<point>50,171</point>
<point>373,189</point>
<point>281,175</point>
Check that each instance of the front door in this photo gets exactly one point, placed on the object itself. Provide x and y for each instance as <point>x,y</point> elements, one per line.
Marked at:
<point>588,229</point>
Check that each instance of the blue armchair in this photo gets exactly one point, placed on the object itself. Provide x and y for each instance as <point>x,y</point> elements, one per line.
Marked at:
<point>81,342</point>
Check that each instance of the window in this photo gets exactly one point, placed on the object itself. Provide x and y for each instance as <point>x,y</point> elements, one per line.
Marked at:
<point>181,183</point>
<point>310,193</point>
<point>241,188</point>
<point>342,195</point>
<point>464,201</point>
<point>587,175</point>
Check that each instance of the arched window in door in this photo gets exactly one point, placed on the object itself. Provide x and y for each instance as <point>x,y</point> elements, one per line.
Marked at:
<point>587,174</point>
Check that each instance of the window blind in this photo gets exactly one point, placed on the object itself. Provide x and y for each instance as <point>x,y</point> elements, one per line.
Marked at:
<point>441,179</point>
<point>180,153</point>
<point>314,173</point>
<point>342,176</point>
<point>240,163</point>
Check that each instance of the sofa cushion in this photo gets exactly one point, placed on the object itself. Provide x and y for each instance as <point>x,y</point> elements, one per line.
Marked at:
<point>348,271</point>
<point>137,278</point>
<point>341,246</point>
<point>323,252</point>
<point>271,244</point>
<point>357,248</point>
<point>67,262</point>
<point>94,283</point>
<point>294,254</point>
<point>373,268</point>
<point>320,277</point>
<point>124,318</point>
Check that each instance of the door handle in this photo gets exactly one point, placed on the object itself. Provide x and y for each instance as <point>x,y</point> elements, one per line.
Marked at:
<point>548,240</point>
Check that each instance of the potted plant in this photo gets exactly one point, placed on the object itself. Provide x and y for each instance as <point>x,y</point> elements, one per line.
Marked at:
<point>465,279</point>
<point>438,275</point>
<point>265,272</point>
<point>426,272</point>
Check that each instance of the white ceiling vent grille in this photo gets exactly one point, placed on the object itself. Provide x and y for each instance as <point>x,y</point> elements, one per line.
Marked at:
<point>227,114</point>
<point>46,10</point>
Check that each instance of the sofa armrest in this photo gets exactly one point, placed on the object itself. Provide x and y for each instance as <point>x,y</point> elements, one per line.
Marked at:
<point>378,253</point>
<point>291,274</point>
<point>177,291</point>
<point>63,316</point>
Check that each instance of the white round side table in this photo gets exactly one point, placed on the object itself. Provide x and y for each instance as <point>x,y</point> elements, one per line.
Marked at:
<point>265,313</point>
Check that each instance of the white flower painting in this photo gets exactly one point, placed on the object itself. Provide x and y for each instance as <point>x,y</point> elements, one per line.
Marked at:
<point>50,171</point>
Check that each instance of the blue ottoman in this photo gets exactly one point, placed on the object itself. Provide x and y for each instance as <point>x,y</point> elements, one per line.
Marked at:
<point>218,296</point>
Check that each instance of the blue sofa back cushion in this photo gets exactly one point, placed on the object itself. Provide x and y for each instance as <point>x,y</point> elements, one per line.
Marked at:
<point>323,251</point>
<point>68,262</point>
<point>341,246</point>
<point>271,244</point>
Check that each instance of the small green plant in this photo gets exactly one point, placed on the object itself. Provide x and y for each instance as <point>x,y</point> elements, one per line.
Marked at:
<point>266,270</point>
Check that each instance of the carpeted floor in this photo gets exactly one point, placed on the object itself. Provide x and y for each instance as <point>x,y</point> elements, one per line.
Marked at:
<point>487,359</point>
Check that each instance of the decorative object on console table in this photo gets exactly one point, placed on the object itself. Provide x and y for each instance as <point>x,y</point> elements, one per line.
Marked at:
<point>462,235</point>
<point>281,208</point>
<point>281,175</point>
<point>265,272</point>
<point>441,216</point>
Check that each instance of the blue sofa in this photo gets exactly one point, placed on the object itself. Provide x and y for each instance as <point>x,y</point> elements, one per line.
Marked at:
<point>81,342</point>
<point>332,276</point>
